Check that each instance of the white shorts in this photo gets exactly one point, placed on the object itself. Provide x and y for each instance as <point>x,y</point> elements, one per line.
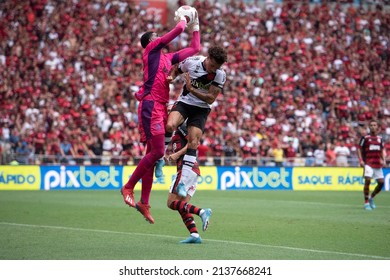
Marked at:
<point>374,173</point>
<point>191,186</point>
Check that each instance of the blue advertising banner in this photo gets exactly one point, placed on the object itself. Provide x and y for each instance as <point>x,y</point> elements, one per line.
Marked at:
<point>28,177</point>
<point>386,173</point>
<point>254,178</point>
<point>81,177</point>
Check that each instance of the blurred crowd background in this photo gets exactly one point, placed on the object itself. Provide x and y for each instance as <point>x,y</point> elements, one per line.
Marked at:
<point>304,77</point>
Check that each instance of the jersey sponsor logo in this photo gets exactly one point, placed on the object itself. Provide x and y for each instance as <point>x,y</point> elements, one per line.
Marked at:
<point>374,148</point>
<point>200,84</point>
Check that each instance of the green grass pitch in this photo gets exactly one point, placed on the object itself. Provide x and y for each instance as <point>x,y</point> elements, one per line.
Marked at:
<point>252,225</point>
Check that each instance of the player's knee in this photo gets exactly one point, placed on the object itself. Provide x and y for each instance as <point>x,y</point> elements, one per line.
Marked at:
<point>193,144</point>
<point>194,141</point>
<point>170,127</point>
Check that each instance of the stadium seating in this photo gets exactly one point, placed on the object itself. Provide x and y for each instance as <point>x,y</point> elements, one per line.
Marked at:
<point>298,75</point>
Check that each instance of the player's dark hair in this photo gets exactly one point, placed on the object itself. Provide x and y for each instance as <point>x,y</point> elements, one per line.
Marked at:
<point>218,54</point>
<point>145,38</point>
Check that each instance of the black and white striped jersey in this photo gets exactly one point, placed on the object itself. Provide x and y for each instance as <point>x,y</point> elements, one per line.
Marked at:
<point>200,80</point>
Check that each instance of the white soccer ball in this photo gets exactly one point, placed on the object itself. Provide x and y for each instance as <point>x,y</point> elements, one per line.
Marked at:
<point>189,12</point>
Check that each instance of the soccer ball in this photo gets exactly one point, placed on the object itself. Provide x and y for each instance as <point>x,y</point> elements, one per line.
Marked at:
<point>189,12</point>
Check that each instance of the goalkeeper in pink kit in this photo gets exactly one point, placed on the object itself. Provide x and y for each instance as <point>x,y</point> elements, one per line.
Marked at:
<point>153,98</point>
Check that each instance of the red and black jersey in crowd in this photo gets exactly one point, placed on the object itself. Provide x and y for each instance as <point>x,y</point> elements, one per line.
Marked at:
<point>179,140</point>
<point>371,148</point>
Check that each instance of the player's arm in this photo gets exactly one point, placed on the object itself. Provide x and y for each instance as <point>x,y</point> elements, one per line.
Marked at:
<point>361,161</point>
<point>194,47</point>
<point>359,151</point>
<point>383,155</point>
<point>178,154</point>
<point>176,31</point>
<point>173,73</point>
<point>208,97</point>
<point>190,51</point>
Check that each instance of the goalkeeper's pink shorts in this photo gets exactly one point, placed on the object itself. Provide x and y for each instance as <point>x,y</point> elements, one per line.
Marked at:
<point>152,118</point>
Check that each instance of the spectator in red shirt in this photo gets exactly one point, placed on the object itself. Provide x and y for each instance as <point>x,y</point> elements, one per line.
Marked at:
<point>330,155</point>
<point>203,152</point>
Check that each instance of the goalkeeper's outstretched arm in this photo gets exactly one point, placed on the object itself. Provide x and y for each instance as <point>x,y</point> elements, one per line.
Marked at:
<point>190,51</point>
<point>176,31</point>
<point>194,47</point>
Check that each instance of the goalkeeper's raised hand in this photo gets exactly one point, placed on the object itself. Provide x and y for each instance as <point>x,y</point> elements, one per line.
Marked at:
<point>195,25</point>
<point>178,17</point>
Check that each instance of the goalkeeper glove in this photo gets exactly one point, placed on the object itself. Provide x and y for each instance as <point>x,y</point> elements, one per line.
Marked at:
<point>178,17</point>
<point>195,25</point>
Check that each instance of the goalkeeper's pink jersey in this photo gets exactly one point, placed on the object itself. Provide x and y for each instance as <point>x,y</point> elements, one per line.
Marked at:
<point>157,64</point>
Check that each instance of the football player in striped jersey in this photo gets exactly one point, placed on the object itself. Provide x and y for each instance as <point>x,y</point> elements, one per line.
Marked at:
<point>372,158</point>
<point>204,81</point>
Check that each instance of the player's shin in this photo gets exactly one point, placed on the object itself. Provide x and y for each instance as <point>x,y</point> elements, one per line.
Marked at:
<point>167,139</point>
<point>188,162</point>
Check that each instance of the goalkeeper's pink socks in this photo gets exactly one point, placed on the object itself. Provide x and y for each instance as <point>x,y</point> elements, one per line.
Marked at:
<point>145,168</point>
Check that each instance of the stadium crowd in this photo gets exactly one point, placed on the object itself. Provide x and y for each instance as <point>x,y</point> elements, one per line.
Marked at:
<point>303,79</point>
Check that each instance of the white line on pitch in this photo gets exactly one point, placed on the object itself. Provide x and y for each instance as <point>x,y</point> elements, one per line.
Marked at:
<point>210,240</point>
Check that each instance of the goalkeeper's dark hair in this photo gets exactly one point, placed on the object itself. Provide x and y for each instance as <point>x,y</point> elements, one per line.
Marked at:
<point>145,38</point>
<point>218,53</point>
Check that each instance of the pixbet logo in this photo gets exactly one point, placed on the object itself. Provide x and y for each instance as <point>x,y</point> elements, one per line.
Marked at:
<point>254,179</point>
<point>81,178</point>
